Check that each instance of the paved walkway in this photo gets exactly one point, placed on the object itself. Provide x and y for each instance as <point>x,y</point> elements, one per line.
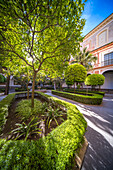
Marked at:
<point>2,97</point>
<point>99,155</point>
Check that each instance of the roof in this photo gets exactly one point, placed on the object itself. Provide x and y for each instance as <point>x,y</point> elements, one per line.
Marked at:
<point>105,21</point>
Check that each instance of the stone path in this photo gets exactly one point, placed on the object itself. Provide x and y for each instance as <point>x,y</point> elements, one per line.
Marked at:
<point>99,155</point>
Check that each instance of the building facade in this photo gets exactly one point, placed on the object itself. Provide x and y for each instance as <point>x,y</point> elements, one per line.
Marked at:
<point>100,42</point>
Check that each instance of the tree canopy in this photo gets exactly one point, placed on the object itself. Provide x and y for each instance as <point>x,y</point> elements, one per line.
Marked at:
<point>94,80</point>
<point>85,58</point>
<point>75,73</point>
<point>39,31</point>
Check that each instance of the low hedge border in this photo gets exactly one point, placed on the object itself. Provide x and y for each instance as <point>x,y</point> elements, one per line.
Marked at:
<point>53,152</point>
<point>4,107</point>
<point>85,91</point>
<point>95,99</point>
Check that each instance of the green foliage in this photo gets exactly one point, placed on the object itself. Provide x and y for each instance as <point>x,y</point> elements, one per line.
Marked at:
<point>26,129</point>
<point>85,58</point>
<point>83,90</point>
<point>75,73</point>
<point>2,79</point>
<point>25,110</point>
<point>4,106</point>
<point>52,114</point>
<point>94,80</point>
<point>89,98</point>
<point>40,32</point>
<point>51,152</point>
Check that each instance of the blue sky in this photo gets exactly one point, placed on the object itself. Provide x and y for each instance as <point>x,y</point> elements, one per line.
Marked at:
<point>95,11</point>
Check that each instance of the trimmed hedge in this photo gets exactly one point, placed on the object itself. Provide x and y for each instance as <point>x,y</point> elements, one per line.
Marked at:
<point>81,91</point>
<point>4,106</point>
<point>53,152</point>
<point>94,99</point>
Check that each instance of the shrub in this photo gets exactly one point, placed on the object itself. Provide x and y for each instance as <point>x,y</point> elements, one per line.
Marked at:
<point>2,78</point>
<point>4,106</point>
<point>75,73</point>
<point>51,152</point>
<point>94,80</point>
<point>89,98</point>
<point>83,90</point>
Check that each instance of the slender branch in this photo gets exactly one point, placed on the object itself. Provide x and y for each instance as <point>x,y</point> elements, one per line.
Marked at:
<point>45,28</point>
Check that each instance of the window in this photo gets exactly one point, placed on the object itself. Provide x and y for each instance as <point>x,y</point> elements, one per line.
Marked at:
<point>108,59</point>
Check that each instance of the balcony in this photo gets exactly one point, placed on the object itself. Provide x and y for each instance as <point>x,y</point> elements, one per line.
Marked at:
<point>107,62</point>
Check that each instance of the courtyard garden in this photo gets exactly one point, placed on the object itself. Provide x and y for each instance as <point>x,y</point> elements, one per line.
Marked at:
<point>37,40</point>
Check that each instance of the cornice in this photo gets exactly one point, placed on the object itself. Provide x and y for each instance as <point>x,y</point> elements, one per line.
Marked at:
<point>107,20</point>
<point>102,47</point>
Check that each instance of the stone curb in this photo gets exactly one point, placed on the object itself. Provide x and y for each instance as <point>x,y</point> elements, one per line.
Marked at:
<point>79,158</point>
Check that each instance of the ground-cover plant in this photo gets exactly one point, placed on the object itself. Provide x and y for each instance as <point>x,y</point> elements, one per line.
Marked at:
<point>26,130</point>
<point>25,110</point>
<point>52,114</point>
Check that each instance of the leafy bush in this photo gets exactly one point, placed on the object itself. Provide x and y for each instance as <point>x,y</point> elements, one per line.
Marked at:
<point>20,89</point>
<point>2,79</point>
<point>89,98</point>
<point>25,110</point>
<point>75,73</point>
<point>51,152</point>
<point>94,80</point>
<point>4,106</point>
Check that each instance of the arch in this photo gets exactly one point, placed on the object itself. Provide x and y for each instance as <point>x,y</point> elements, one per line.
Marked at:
<point>108,74</point>
<point>88,74</point>
<point>106,70</point>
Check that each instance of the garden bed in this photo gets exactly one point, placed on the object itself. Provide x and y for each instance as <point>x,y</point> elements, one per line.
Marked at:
<point>14,117</point>
<point>90,98</point>
<point>54,151</point>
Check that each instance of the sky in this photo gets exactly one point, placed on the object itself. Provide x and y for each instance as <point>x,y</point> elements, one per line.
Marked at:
<point>95,11</point>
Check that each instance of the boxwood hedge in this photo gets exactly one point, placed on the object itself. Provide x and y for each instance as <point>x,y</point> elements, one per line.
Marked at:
<point>53,152</point>
<point>94,99</point>
<point>81,91</point>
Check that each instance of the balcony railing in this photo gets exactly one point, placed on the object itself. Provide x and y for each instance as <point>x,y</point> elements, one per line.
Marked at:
<point>107,62</point>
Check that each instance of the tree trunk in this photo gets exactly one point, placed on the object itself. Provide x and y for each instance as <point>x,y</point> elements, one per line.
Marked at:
<point>74,87</point>
<point>54,85</point>
<point>33,88</point>
<point>27,91</point>
<point>99,87</point>
<point>7,85</point>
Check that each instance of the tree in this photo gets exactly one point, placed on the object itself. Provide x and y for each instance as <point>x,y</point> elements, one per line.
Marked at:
<point>56,72</point>
<point>23,75</point>
<point>85,58</point>
<point>94,80</point>
<point>75,73</point>
<point>39,31</point>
